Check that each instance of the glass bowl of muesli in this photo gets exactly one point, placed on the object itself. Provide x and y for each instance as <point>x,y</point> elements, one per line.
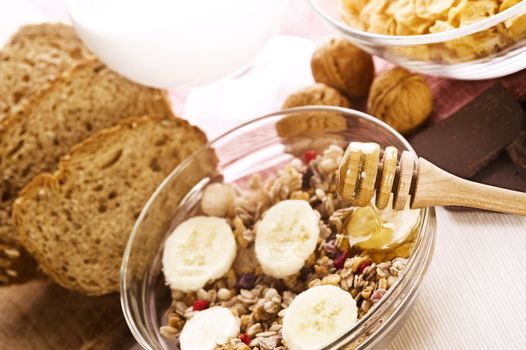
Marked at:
<point>246,244</point>
<point>468,39</point>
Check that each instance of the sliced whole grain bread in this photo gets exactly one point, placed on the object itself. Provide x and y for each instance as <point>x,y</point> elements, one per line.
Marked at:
<point>88,98</point>
<point>76,221</point>
<point>34,56</point>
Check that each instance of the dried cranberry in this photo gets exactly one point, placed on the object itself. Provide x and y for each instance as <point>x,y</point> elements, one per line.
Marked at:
<point>340,259</point>
<point>246,281</point>
<point>363,266</point>
<point>333,255</point>
<point>199,304</point>
<point>309,156</point>
<point>244,338</point>
<point>377,295</point>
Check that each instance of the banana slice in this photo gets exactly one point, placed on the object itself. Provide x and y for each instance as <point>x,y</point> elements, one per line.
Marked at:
<point>286,237</point>
<point>317,317</point>
<point>209,328</point>
<point>199,250</point>
<point>372,228</point>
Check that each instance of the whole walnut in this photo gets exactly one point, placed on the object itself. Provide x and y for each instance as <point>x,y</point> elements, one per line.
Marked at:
<point>340,64</point>
<point>400,98</point>
<point>317,94</point>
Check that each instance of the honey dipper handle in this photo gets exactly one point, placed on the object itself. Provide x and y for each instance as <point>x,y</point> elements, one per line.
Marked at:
<point>434,187</point>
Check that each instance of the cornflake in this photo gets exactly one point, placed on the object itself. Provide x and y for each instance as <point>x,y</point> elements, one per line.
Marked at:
<point>416,17</point>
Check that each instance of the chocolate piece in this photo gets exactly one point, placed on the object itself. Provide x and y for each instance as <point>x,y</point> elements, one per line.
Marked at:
<point>474,135</point>
<point>502,173</point>
<point>517,152</point>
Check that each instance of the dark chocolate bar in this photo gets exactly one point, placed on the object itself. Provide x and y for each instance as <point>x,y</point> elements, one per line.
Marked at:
<point>474,135</point>
<point>502,173</point>
<point>517,152</point>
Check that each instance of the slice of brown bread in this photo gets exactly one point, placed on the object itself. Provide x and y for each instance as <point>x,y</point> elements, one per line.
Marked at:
<point>34,56</point>
<point>76,222</point>
<point>84,100</point>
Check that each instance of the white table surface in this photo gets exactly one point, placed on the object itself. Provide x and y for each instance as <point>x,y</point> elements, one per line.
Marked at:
<point>474,295</point>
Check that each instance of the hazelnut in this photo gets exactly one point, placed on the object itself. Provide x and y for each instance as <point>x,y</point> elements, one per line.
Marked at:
<point>317,94</point>
<point>340,64</point>
<point>400,98</point>
<point>218,200</point>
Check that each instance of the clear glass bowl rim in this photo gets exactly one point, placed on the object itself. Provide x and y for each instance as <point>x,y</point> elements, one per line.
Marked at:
<point>422,39</point>
<point>427,219</point>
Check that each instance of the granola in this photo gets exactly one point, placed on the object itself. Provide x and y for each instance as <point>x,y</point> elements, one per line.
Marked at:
<point>260,301</point>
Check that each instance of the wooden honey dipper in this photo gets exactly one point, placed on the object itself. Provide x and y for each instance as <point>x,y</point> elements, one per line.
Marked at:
<point>414,180</point>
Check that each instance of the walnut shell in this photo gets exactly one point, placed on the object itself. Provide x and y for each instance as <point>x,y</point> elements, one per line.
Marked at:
<point>340,64</point>
<point>400,98</point>
<point>317,94</point>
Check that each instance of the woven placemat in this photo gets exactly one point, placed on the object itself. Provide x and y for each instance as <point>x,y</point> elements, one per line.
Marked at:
<point>41,315</point>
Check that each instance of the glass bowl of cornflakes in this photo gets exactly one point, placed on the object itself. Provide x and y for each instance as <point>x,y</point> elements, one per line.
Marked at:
<point>461,39</point>
<point>290,155</point>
